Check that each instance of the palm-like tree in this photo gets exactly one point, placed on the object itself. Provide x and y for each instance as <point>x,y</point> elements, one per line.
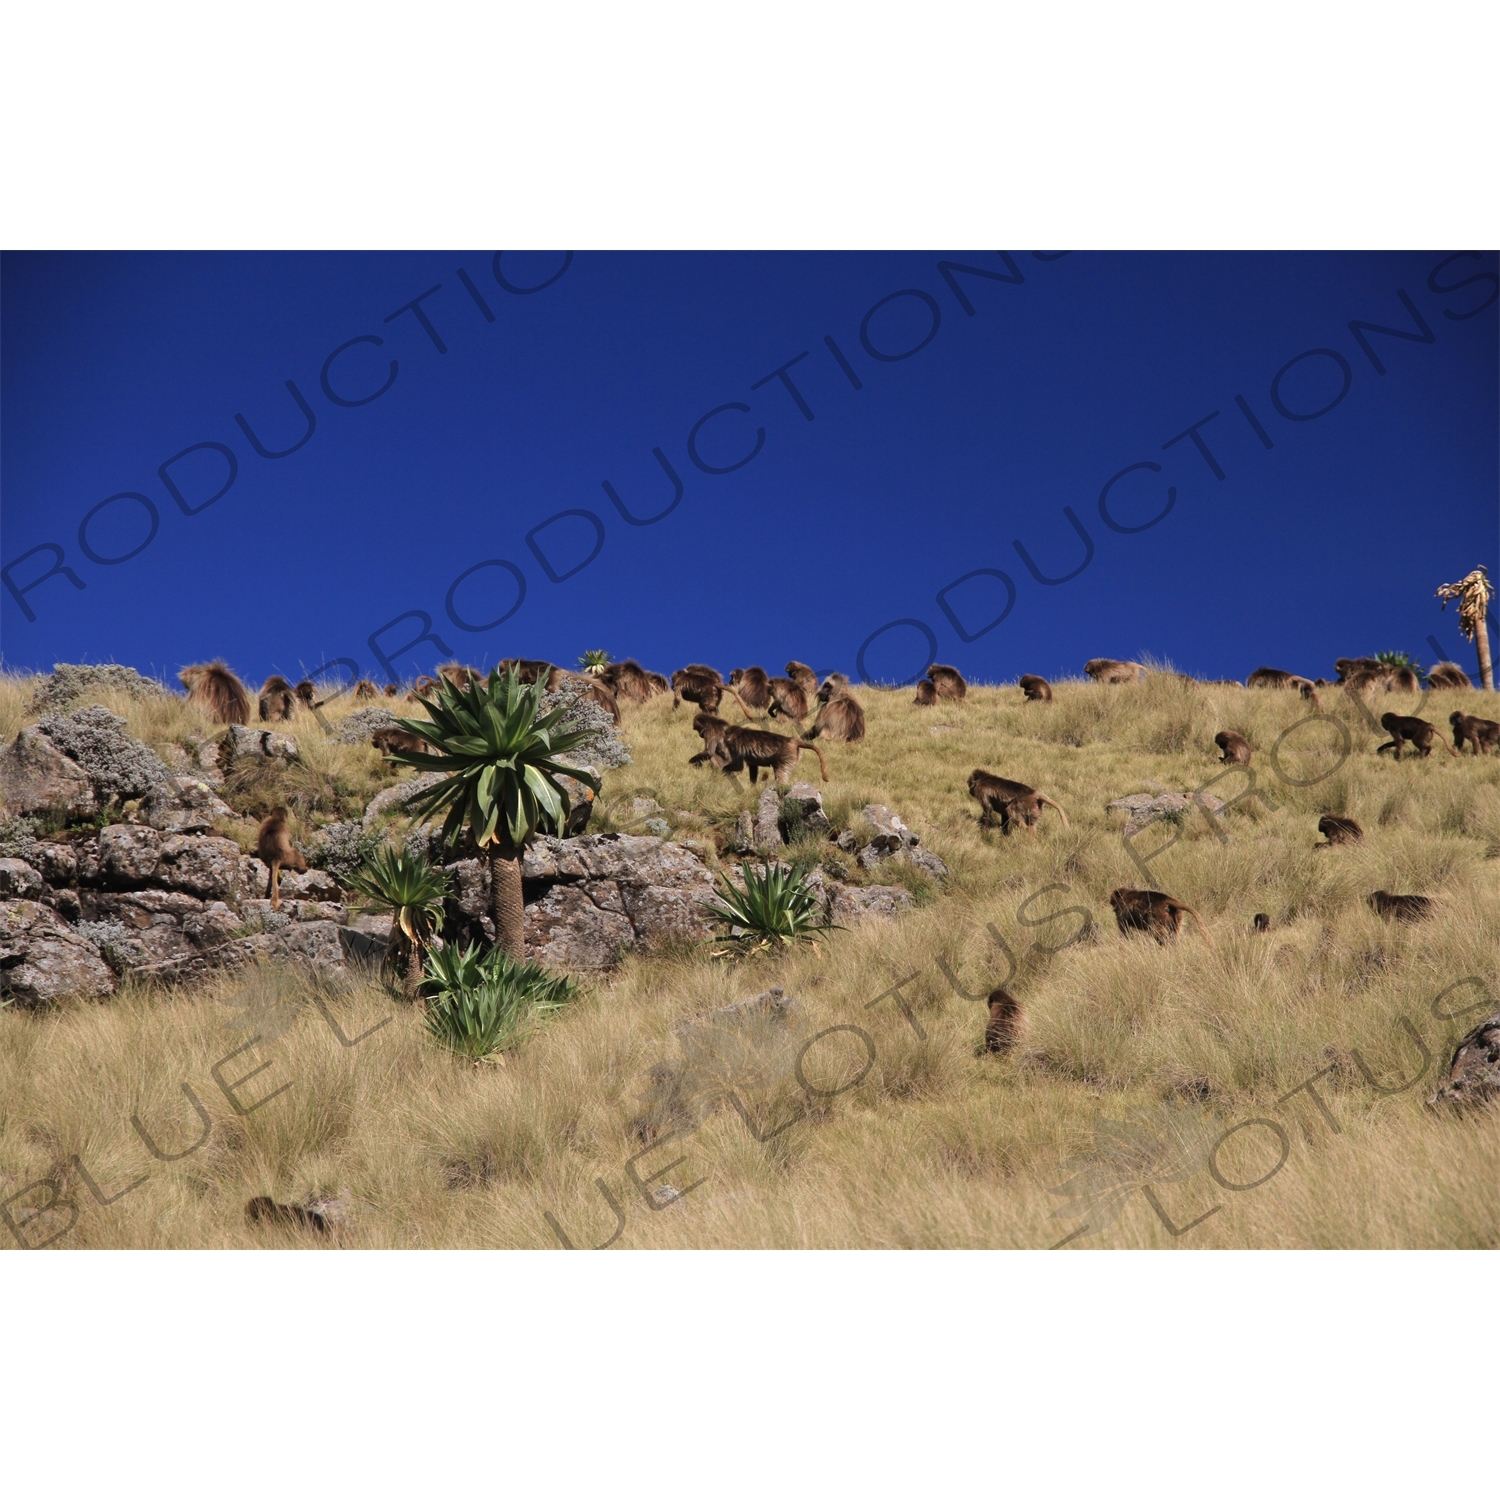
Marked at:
<point>499,750</point>
<point>412,891</point>
<point>1474,594</point>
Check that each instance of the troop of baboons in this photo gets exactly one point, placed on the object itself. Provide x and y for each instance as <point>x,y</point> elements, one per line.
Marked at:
<point>839,717</point>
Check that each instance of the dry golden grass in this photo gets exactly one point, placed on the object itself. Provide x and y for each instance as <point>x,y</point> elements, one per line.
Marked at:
<point>937,1145</point>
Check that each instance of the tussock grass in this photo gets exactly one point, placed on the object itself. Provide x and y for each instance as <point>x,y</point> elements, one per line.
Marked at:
<point>936,1144</point>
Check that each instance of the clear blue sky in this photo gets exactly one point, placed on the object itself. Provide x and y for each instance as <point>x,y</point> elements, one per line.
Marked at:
<point>1330,542</point>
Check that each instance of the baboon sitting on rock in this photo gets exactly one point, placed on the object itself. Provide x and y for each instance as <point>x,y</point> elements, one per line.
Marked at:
<point>1150,912</point>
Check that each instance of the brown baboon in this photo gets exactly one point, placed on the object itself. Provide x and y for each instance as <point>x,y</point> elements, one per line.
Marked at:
<point>1104,669</point>
<point>1482,735</point>
<point>422,689</point>
<point>460,676</point>
<point>697,684</point>
<point>753,687</point>
<point>948,682</point>
<point>293,1215</point>
<point>274,848</point>
<point>1352,666</point>
<point>788,699</point>
<point>1447,675</point>
<point>216,690</point>
<point>1004,1022</point>
<point>591,687</point>
<point>1403,680</point>
<point>391,690</point>
<point>527,670</point>
<point>1037,689</point>
<point>1262,922</point>
<point>1339,831</point>
<point>277,700</point>
<point>1273,677</point>
<point>1418,731</point>
<point>388,740</point>
<point>1402,908</point>
<point>364,688</point>
<point>831,684</point>
<point>306,693</point>
<point>926,693</point>
<point>1010,802</point>
<point>629,681</point>
<point>804,677</point>
<point>1150,911</point>
<point>734,746</point>
<point>1236,748</point>
<point>1308,690</point>
<point>842,717</point>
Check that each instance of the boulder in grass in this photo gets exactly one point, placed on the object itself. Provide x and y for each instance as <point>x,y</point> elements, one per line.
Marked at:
<point>36,777</point>
<point>1474,1072</point>
<point>42,959</point>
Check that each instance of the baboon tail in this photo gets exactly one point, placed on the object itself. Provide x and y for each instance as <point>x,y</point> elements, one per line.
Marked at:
<point>1446,746</point>
<point>1042,797</point>
<point>733,693</point>
<point>818,751</point>
<point>1195,916</point>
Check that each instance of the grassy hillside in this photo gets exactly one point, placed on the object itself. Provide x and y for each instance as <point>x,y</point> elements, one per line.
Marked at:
<point>1133,1057</point>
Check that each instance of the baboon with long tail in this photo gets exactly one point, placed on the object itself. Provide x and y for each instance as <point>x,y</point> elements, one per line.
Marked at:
<point>1010,802</point>
<point>1151,912</point>
<point>732,747</point>
<point>274,848</point>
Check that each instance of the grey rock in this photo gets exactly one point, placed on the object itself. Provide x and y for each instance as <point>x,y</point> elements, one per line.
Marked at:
<point>42,959</point>
<point>19,881</point>
<point>206,762</point>
<point>1147,807</point>
<point>128,854</point>
<point>768,820</point>
<point>69,681</point>
<point>309,885</point>
<point>579,927</point>
<point>744,833</point>
<point>149,926</point>
<point>927,861</point>
<point>183,804</point>
<point>395,797</point>
<point>242,742</point>
<point>259,912</point>
<point>206,867</point>
<point>36,777</point>
<point>802,803</point>
<point>1474,1071</point>
<point>58,863</point>
<point>887,824</point>
<point>118,765</point>
<point>854,905</point>
<point>299,944</point>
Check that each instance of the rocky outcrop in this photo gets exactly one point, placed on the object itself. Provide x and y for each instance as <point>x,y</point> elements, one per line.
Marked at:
<point>854,905</point>
<point>1474,1072</point>
<point>891,839</point>
<point>18,881</point>
<point>183,804</point>
<point>36,777</point>
<point>393,798</point>
<point>1147,807</point>
<point>42,959</point>
<point>241,742</point>
<point>131,854</point>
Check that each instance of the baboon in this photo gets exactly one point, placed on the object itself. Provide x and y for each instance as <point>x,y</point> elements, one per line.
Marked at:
<point>700,685</point>
<point>364,688</point>
<point>1339,831</point>
<point>831,684</point>
<point>306,693</point>
<point>1350,666</point>
<point>628,680</point>
<point>1236,748</point>
<point>269,1211</point>
<point>1262,922</point>
<point>422,689</point>
<point>1010,801</point>
<point>1483,735</point>
<point>1447,675</point>
<point>277,700</point>
<point>215,689</point>
<point>1037,689</point>
<point>842,717</point>
<point>1004,1022</point>
<point>948,682</point>
<point>753,687</point>
<point>1403,680</point>
<point>391,690</point>
<point>527,671</point>
<point>804,677</point>
<point>1402,908</point>
<point>591,687</point>
<point>1150,911</point>
<point>460,676</point>
<point>1418,731</point>
<point>1273,677</point>
<point>1104,669</point>
<point>388,740</point>
<point>1308,690</point>
<point>788,699</point>
<point>926,693</point>
<point>734,746</point>
<point>274,848</point>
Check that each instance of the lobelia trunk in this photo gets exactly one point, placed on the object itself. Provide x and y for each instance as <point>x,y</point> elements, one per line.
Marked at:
<point>1482,645</point>
<point>507,910</point>
<point>413,969</point>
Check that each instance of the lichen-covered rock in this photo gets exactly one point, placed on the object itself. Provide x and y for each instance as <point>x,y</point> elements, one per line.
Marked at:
<point>18,881</point>
<point>69,681</point>
<point>207,867</point>
<point>852,905</point>
<point>137,928</point>
<point>393,798</point>
<point>1474,1072</point>
<point>128,854</point>
<point>36,777</point>
<point>802,807</point>
<point>1147,807</point>
<point>579,927</point>
<point>308,885</point>
<point>301,944</point>
<point>58,863</point>
<point>117,764</point>
<point>183,804</point>
<point>42,959</point>
<point>767,835</point>
<point>241,742</point>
